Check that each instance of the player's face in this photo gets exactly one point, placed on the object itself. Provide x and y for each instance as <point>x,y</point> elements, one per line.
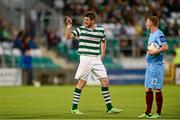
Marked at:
<point>148,24</point>
<point>88,22</point>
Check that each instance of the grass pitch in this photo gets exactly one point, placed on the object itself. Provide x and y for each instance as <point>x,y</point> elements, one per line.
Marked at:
<point>54,102</point>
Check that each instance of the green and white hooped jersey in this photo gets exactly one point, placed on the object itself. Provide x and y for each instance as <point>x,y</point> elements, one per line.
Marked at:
<point>89,40</point>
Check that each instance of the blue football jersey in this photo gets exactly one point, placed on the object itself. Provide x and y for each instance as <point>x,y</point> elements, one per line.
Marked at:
<point>159,38</point>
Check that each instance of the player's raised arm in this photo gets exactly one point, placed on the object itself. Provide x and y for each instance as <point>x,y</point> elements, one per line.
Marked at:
<point>68,33</point>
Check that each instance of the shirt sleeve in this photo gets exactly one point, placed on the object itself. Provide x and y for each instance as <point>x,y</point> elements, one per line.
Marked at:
<point>103,36</point>
<point>76,32</point>
<point>161,39</point>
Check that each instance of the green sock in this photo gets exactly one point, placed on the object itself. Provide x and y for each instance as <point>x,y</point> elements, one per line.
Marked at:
<point>107,98</point>
<point>76,97</point>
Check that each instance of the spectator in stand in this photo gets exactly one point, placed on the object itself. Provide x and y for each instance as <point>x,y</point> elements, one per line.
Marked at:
<point>32,44</point>
<point>18,40</point>
<point>26,61</point>
<point>4,34</point>
<point>130,29</point>
<point>52,38</point>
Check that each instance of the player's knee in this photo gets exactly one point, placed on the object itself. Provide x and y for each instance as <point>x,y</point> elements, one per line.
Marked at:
<point>157,90</point>
<point>104,82</point>
<point>148,89</point>
<point>81,84</point>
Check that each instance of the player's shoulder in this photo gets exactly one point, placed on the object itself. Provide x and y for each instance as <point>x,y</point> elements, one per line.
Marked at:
<point>99,27</point>
<point>161,36</point>
<point>159,33</point>
<point>81,27</point>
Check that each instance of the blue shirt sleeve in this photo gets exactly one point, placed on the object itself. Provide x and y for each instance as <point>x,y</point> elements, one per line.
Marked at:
<point>161,39</point>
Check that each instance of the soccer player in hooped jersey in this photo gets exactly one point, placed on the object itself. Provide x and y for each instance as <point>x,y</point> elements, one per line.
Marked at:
<point>154,76</point>
<point>92,47</point>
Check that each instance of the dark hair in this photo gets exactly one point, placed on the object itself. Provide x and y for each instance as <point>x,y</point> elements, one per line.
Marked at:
<point>25,36</point>
<point>154,20</point>
<point>90,15</point>
<point>20,34</point>
<point>25,44</point>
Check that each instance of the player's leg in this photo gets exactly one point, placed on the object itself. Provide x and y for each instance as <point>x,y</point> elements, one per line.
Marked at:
<point>77,93</point>
<point>105,92</point>
<point>148,92</point>
<point>106,95</point>
<point>158,90</point>
<point>76,96</point>
<point>100,72</point>
<point>149,102</point>
<point>81,75</point>
<point>159,102</point>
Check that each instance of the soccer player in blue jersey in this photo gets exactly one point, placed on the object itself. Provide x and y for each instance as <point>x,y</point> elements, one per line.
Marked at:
<point>154,76</point>
<point>92,47</point>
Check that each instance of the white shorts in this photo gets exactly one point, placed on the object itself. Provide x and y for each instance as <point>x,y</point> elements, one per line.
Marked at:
<point>90,64</point>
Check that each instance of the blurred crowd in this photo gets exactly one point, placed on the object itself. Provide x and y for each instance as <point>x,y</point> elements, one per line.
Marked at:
<point>124,20</point>
<point>6,30</point>
<point>125,17</point>
<point>15,43</point>
<point>21,40</point>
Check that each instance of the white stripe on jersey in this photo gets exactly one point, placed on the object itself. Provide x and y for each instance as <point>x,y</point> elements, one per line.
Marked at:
<point>92,33</point>
<point>88,50</point>
<point>90,38</point>
<point>89,44</point>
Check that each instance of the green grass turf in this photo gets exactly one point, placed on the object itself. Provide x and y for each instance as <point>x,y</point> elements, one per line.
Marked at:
<point>54,102</point>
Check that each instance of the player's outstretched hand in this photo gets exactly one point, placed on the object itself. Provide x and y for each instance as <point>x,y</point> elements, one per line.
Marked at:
<point>68,20</point>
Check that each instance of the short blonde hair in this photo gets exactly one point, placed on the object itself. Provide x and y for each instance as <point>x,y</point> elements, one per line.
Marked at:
<point>154,20</point>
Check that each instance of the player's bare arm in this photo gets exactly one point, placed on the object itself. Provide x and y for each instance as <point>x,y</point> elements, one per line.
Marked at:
<point>68,33</point>
<point>103,49</point>
<point>161,49</point>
